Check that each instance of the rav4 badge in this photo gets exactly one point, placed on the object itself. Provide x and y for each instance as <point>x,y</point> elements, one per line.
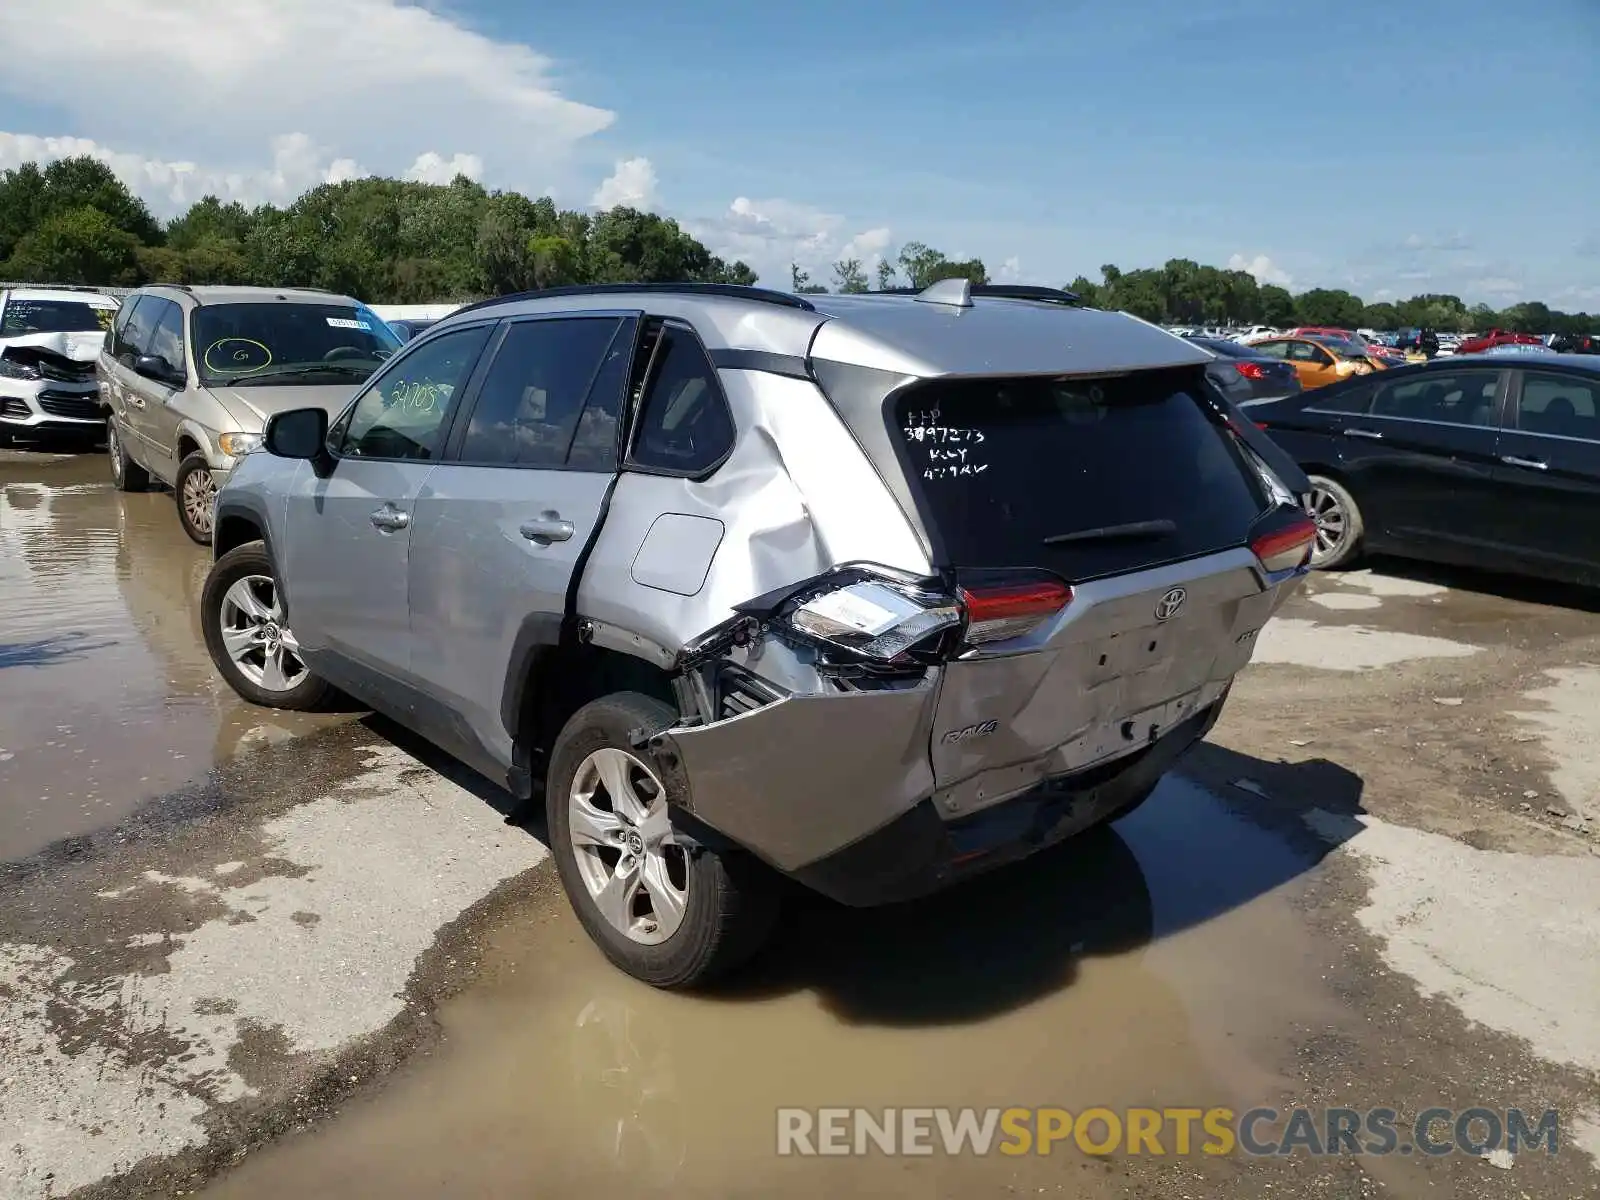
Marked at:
<point>982,729</point>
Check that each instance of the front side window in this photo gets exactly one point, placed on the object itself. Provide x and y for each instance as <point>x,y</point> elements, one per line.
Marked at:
<point>1341,398</point>
<point>1271,349</point>
<point>1458,398</point>
<point>534,392</point>
<point>281,343</point>
<point>684,424</point>
<point>23,316</point>
<point>1562,405</point>
<point>402,414</point>
<point>141,327</point>
<point>121,347</point>
<point>166,339</point>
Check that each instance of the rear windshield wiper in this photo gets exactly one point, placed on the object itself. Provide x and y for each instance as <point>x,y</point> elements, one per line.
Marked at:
<point>335,368</point>
<point>1108,533</point>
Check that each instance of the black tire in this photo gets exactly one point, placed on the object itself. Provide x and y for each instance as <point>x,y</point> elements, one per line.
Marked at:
<point>1329,497</point>
<point>6,438</point>
<point>732,902</point>
<point>126,475</point>
<point>189,470</point>
<point>310,692</point>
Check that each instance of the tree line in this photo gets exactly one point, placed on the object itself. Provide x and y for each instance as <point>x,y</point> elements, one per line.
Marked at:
<point>1183,292</point>
<point>396,241</point>
<point>382,240</point>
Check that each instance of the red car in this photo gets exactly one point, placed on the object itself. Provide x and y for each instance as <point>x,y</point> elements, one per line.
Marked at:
<point>1496,337</point>
<point>1376,350</point>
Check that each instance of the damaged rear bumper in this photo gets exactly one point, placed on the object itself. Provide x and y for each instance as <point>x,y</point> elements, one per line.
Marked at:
<point>836,791</point>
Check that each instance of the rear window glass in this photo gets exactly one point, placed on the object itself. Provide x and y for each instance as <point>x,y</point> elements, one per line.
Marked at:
<point>1084,477</point>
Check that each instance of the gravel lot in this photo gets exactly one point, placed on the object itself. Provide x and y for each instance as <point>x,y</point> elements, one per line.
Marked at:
<point>266,955</point>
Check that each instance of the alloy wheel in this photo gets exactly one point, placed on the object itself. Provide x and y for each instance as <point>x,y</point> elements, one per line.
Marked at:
<point>114,451</point>
<point>257,640</point>
<point>622,840</point>
<point>199,499</point>
<point>1332,522</point>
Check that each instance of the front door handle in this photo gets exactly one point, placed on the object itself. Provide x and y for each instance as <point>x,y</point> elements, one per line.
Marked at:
<point>548,527</point>
<point>1364,433</point>
<point>1533,464</point>
<point>390,519</point>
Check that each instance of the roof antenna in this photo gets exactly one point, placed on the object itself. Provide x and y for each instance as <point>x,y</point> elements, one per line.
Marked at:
<point>956,293</point>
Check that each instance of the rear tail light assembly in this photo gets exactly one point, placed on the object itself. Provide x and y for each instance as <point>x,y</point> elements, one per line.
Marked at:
<point>870,618</point>
<point>1001,611</point>
<point>1286,543</point>
<point>1250,370</point>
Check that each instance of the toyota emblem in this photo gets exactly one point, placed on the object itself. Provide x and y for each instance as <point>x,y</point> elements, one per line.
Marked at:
<point>1171,603</point>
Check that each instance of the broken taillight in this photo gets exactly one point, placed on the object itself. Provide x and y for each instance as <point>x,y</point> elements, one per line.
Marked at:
<point>1287,545</point>
<point>999,611</point>
<point>876,620</point>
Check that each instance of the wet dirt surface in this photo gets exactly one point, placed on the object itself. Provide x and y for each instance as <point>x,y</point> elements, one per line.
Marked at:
<point>320,962</point>
<point>108,698</point>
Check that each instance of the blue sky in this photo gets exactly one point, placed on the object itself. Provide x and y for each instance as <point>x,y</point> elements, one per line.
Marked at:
<point>1386,148</point>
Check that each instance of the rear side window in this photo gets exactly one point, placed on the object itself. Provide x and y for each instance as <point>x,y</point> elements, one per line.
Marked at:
<point>1464,398</point>
<point>684,425</point>
<point>1084,477</point>
<point>1560,405</point>
<point>528,408</point>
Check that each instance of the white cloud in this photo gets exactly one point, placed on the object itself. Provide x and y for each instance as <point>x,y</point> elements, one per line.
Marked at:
<point>431,167</point>
<point>374,81</point>
<point>1498,288</point>
<point>1263,268</point>
<point>293,164</point>
<point>633,184</point>
<point>1009,271</point>
<point>770,234</point>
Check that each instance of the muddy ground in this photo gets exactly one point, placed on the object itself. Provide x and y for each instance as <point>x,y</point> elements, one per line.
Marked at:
<point>259,956</point>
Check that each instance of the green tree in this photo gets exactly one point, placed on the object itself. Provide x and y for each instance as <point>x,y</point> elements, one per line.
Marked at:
<point>1277,306</point>
<point>82,245</point>
<point>210,220</point>
<point>1329,306</point>
<point>885,274</point>
<point>848,277</point>
<point>923,265</point>
<point>800,282</point>
<point>1380,316</point>
<point>1086,290</point>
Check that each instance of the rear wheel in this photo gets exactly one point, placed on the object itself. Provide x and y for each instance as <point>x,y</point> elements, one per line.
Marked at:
<point>126,475</point>
<point>667,912</point>
<point>1338,521</point>
<point>196,492</point>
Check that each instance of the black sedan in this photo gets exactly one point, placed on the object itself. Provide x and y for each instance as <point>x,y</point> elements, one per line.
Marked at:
<point>1246,375</point>
<point>1482,461</point>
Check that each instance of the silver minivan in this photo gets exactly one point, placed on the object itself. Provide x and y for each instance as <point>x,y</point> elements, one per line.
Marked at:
<point>873,592</point>
<point>189,375</point>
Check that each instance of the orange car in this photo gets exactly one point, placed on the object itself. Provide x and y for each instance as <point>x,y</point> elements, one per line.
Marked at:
<point>1316,363</point>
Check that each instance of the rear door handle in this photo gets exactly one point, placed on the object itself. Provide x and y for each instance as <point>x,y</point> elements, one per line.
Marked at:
<point>390,519</point>
<point>1364,433</point>
<point>1533,464</point>
<point>548,527</point>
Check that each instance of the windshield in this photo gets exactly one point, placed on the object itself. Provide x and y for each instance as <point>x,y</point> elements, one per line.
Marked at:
<point>1341,347</point>
<point>23,317</point>
<point>289,343</point>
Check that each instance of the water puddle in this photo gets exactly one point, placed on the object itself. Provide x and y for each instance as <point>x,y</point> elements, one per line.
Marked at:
<point>1160,963</point>
<point>107,697</point>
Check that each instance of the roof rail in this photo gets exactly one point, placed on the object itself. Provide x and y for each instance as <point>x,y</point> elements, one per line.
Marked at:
<point>733,291</point>
<point>1003,291</point>
<point>177,287</point>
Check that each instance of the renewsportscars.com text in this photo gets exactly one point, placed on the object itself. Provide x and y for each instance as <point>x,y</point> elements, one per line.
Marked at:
<point>1160,1132</point>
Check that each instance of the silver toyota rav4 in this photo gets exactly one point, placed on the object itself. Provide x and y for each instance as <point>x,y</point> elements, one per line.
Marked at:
<point>868,591</point>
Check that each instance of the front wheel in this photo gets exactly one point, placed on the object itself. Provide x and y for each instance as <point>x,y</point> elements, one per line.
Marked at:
<point>196,491</point>
<point>1338,521</point>
<point>126,475</point>
<point>667,912</point>
<point>243,619</point>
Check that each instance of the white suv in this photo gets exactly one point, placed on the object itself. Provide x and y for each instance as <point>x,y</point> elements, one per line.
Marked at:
<point>49,340</point>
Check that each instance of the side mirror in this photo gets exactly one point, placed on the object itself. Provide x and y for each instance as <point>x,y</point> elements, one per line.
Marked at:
<point>299,433</point>
<point>153,366</point>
